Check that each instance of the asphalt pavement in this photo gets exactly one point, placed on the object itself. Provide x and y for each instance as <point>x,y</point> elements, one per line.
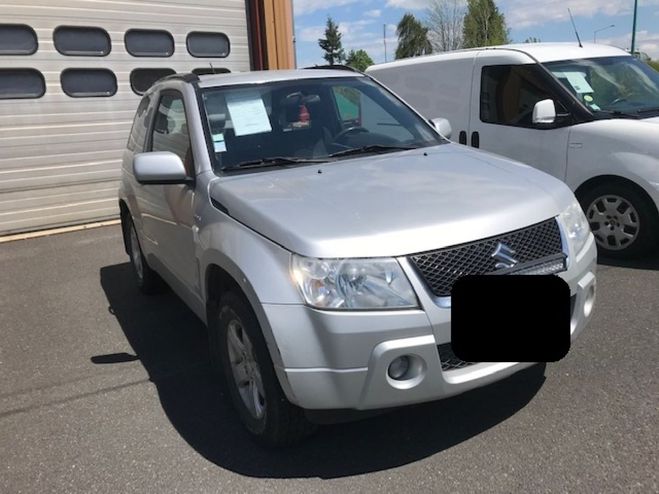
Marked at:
<point>103,389</point>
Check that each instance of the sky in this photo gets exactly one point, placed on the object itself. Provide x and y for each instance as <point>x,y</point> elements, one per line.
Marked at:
<point>363,23</point>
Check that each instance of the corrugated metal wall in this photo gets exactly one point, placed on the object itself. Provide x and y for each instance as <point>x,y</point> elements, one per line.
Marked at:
<point>60,156</point>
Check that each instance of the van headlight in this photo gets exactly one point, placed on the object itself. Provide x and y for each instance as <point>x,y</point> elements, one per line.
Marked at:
<point>353,284</point>
<point>576,226</point>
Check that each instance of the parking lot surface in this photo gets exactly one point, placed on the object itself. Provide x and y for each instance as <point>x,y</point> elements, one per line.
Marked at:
<point>103,389</point>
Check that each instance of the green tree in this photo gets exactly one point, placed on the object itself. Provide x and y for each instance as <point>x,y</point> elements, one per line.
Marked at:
<point>359,60</point>
<point>331,43</point>
<point>412,38</point>
<point>654,64</point>
<point>484,25</point>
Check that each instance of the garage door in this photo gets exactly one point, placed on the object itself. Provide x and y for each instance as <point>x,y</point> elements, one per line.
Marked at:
<point>70,77</point>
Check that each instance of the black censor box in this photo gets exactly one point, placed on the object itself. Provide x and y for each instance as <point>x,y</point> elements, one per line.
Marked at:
<point>510,318</point>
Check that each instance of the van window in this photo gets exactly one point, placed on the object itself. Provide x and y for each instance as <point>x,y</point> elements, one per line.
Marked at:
<point>509,93</point>
<point>170,130</point>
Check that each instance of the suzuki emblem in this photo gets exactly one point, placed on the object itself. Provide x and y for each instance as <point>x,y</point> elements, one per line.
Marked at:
<point>504,256</point>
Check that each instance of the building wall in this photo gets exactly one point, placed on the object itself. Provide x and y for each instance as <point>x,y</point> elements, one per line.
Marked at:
<point>60,155</point>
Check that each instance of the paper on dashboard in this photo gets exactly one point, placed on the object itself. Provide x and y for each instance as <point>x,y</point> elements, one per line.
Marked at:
<point>248,113</point>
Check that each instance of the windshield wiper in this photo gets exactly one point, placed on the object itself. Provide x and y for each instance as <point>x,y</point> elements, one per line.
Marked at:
<point>275,161</point>
<point>648,110</point>
<point>373,148</point>
<point>618,113</point>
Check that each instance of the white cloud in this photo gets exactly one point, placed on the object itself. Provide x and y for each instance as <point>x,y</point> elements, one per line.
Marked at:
<point>373,13</point>
<point>310,33</point>
<point>645,41</point>
<point>302,7</point>
<point>409,4</point>
<point>525,13</point>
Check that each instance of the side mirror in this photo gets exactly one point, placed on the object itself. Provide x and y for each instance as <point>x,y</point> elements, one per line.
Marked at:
<point>442,126</point>
<point>544,112</point>
<point>159,168</point>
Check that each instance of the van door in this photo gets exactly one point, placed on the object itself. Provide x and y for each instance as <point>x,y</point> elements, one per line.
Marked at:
<point>503,97</point>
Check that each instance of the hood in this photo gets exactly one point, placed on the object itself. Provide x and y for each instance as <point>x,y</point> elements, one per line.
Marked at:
<point>391,205</point>
<point>653,120</point>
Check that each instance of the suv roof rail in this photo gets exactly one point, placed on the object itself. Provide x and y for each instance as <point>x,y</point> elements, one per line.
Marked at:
<point>334,67</point>
<point>185,77</point>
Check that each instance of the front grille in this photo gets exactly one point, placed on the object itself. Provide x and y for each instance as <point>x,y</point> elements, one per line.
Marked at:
<point>533,246</point>
<point>449,360</point>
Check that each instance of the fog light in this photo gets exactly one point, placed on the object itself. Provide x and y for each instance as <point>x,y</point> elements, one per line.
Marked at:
<point>399,367</point>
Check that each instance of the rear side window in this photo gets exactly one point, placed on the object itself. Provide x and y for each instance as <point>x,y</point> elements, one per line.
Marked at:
<point>82,41</point>
<point>88,83</point>
<point>142,79</point>
<point>17,39</point>
<point>509,93</point>
<point>140,125</point>
<point>170,129</point>
<point>21,84</point>
<point>149,43</point>
<point>207,44</point>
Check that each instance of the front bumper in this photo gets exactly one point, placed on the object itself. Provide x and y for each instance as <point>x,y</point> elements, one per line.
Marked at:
<point>339,360</point>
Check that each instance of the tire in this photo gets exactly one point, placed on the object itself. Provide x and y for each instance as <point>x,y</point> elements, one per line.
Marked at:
<point>148,281</point>
<point>241,355</point>
<point>625,222</point>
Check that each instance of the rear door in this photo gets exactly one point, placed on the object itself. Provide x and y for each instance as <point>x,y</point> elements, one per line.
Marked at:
<point>506,87</point>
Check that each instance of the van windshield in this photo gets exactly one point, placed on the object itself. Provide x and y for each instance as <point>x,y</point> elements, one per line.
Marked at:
<point>613,85</point>
<point>308,120</point>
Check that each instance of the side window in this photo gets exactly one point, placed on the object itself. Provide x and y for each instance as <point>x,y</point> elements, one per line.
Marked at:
<point>509,93</point>
<point>140,125</point>
<point>170,130</point>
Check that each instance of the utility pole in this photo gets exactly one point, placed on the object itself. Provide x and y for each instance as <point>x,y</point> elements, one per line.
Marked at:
<point>384,40</point>
<point>634,29</point>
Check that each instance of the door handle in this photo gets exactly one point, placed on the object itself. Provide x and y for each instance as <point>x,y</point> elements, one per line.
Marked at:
<point>463,137</point>
<point>475,139</point>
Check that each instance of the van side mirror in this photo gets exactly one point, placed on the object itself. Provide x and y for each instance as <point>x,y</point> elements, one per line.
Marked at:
<point>159,168</point>
<point>443,126</point>
<point>544,112</point>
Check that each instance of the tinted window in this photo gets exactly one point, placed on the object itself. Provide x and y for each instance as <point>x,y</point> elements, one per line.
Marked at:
<point>84,83</point>
<point>21,83</point>
<point>140,124</point>
<point>17,39</point>
<point>82,41</point>
<point>149,43</point>
<point>205,44</point>
<point>170,130</point>
<point>509,93</point>
<point>143,79</point>
<point>208,70</point>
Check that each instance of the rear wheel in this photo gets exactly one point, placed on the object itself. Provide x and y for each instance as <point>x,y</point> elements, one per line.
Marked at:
<point>623,220</point>
<point>147,279</point>
<point>240,352</point>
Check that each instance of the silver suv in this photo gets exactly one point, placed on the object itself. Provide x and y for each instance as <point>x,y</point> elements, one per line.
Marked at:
<point>316,224</point>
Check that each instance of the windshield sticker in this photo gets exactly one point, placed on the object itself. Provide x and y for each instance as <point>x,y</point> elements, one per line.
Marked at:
<point>219,146</point>
<point>578,81</point>
<point>248,113</point>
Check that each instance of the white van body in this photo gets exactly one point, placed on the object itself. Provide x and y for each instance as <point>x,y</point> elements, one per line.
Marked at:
<point>610,158</point>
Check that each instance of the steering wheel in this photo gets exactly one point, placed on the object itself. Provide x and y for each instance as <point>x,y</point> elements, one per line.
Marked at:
<point>616,101</point>
<point>357,129</point>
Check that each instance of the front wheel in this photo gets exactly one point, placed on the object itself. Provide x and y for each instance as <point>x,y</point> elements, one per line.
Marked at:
<point>240,352</point>
<point>624,222</point>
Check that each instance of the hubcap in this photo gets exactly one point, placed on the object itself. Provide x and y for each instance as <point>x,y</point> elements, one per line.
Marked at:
<point>246,371</point>
<point>614,222</point>
<point>135,253</point>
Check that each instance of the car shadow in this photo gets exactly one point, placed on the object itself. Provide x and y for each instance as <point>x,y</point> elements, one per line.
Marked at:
<point>647,263</point>
<point>171,343</point>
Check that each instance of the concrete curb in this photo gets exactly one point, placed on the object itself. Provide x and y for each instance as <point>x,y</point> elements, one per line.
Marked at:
<point>57,231</point>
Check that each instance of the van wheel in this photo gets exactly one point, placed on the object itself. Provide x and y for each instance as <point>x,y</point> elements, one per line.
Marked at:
<point>239,350</point>
<point>624,222</point>
<point>148,281</point>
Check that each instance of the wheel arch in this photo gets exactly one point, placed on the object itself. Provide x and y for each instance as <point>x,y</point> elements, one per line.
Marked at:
<point>598,180</point>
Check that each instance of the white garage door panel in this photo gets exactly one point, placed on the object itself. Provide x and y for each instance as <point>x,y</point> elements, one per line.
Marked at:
<point>60,157</point>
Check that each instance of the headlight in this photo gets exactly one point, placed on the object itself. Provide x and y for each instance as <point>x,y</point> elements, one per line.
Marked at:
<point>346,284</point>
<point>576,225</point>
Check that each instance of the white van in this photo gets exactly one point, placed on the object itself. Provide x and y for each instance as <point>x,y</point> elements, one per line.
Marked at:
<point>587,115</point>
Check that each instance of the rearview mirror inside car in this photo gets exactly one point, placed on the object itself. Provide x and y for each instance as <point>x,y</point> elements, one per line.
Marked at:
<point>159,167</point>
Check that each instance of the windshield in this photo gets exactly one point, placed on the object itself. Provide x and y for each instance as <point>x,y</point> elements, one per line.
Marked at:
<point>610,84</point>
<point>308,120</point>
